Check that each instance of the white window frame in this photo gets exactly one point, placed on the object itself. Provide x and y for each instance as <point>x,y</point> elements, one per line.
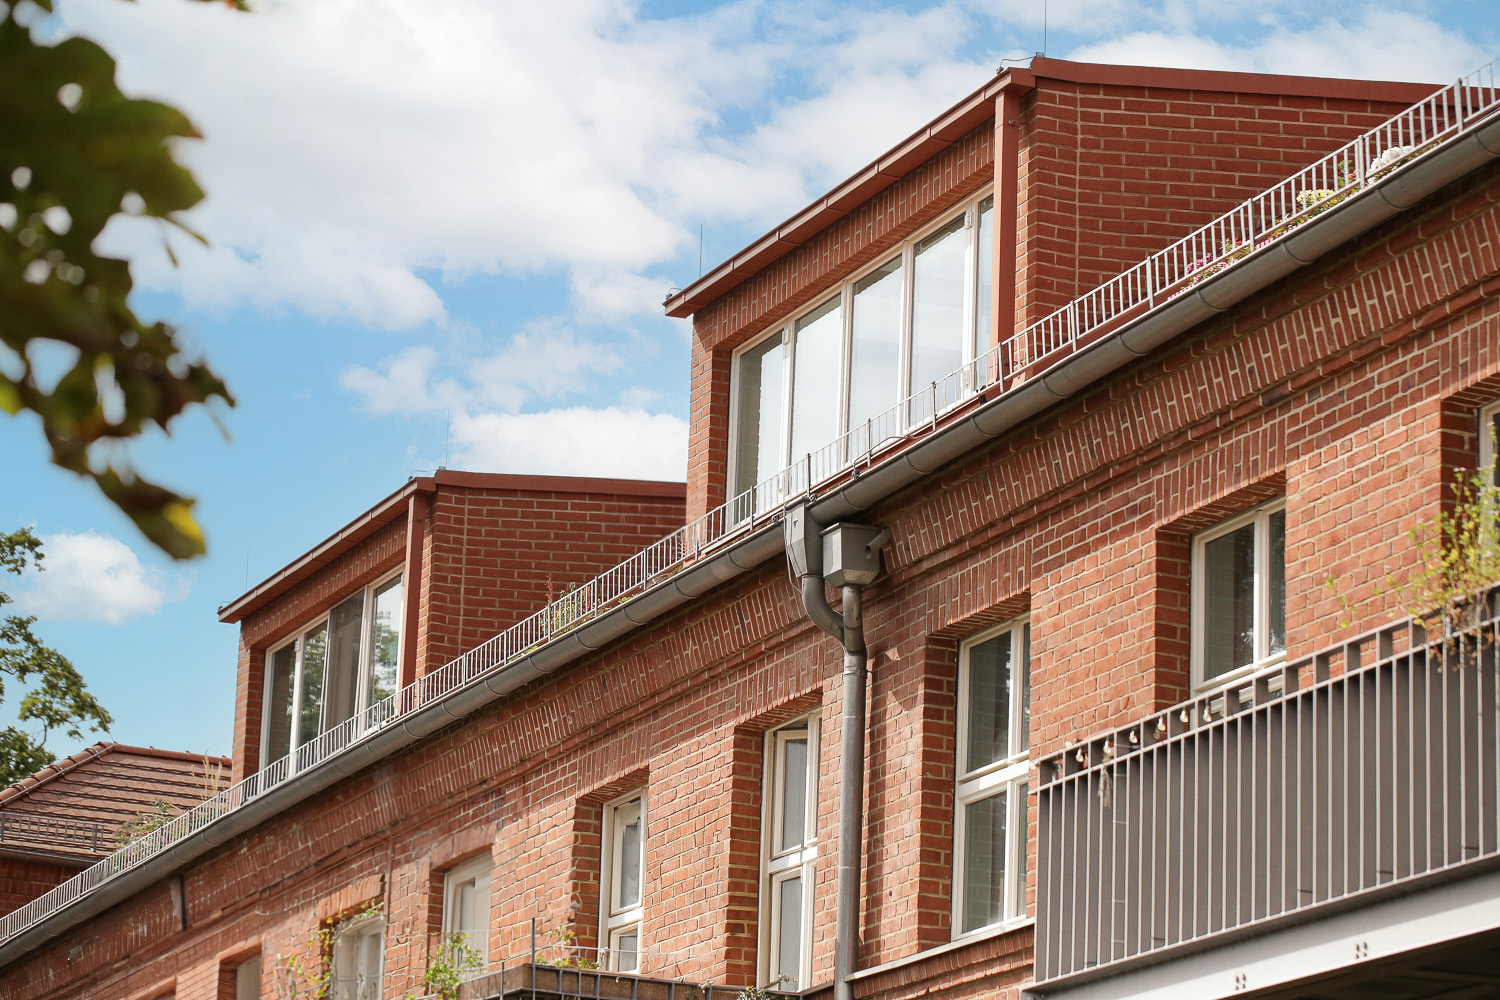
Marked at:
<point>617,921</point>
<point>362,685</point>
<point>780,863</point>
<point>1010,775</point>
<point>1487,416</point>
<point>349,942</point>
<point>1263,656</point>
<point>786,331</point>
<point>476,871</point>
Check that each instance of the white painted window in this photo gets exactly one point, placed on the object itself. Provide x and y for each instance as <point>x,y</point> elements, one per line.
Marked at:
<point>1489,436</point>
<point>466,908</point>
<point>345,663</point>
<point>359,958</point>
<point>622,875</point>
<point>789,837</point>
<point>842,365</point>
<point>994,738</point>
<point>1239,595</point>
<point>247,980</point>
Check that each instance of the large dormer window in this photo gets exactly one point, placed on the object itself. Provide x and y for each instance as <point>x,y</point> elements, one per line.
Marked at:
<point>340,664</point>
<point>841,366</point>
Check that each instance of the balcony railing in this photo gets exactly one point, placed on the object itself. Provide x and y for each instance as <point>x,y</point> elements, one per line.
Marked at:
<point>1027,355</point>
<point>1356,771</point>
<point>54,832</point>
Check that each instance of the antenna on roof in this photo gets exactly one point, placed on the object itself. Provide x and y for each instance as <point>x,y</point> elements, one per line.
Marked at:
<point>700,249</point>
<point>1044,27</point>
<point>447,427</point>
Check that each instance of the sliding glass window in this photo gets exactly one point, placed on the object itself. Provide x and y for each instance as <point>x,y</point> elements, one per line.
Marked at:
<point>344,664</point>
<point>908,326</point>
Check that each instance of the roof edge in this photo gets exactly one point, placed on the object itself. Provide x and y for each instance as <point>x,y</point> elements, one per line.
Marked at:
<point>900,160</point>
<point>908,154</point>
<point>393,508</point>
<point>88,755</point>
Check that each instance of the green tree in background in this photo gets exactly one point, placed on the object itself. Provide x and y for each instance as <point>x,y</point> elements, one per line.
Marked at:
<point>55,695</point>
<point>75,152</point>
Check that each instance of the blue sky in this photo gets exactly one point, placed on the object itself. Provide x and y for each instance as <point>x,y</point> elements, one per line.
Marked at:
<point>442,229</point>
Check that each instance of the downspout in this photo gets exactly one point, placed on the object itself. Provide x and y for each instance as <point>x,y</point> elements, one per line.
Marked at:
<point>846,556</point>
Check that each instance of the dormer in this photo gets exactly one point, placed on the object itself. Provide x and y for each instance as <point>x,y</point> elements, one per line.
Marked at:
<point>889,299</point>
<point>420,578</point>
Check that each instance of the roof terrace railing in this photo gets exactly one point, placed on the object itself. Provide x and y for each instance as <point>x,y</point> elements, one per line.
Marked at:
<point>1020,358</point>
<point>36,830</point>
<point>1357,770</point>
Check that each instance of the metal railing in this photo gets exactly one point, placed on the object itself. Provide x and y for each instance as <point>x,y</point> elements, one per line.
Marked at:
<point>35,830</point>
<point>1024,356</point>
<point>1366,766</point>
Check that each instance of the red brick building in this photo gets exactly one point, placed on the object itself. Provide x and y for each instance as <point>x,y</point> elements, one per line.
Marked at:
<point>1105,373</point>
<point>70,814</point>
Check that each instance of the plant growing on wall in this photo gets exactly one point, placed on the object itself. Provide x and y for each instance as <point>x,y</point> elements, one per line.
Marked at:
<point>1460,553</point>
<point>456,960</point>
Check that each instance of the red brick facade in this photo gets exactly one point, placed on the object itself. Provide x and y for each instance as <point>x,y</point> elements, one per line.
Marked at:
<point>1349,388</point>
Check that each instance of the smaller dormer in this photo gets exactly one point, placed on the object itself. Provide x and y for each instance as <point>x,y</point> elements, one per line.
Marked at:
<point>430,572</point>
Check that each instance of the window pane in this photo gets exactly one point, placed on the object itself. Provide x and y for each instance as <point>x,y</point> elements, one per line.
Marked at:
<point>937,321</point>
<point>984,334</point>
<point>314,655</point>
<point>984,862</point>
<point>988,702</point>
<point>815,379</point>
<point>875,353</point>
<point>629,816</point>
<point>789,939</point>
<point>283,675</point>
<point>1018,900</point>
<point>385,642</point>
<point>1493,450</point>
<point>758,447</point>
<point>793,793</point>
<point>341,681</point>
<point>626,948</point>
<point>1276,627</point>
<point>1229,602</point>
<point>1023,660</point>
<point>247,980</point>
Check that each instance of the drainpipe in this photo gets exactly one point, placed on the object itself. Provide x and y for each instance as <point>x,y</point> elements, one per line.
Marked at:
<point>846,556</point>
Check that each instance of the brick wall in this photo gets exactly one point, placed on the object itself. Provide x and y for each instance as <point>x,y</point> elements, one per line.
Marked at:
<point>1347,386</point>
<point>497,555</point>
<point>23,879</point>
<point>1110,174</point>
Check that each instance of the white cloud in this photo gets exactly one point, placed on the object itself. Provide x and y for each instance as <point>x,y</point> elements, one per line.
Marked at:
<point>94,577</point>
<point>577,441</point>
<point>541,362</point>
<point>1377,44</point>
<point>357,148</point>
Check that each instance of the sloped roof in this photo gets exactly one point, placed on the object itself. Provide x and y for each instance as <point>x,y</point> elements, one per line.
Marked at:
<point>74,806</point>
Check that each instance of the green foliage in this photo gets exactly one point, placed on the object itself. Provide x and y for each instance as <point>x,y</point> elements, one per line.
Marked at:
<point>455,961</point>
<point>76,153</point>
<point>56,697</point>
<point>1460,552</point>
<point>1458,558</point>
<point>309,973</point>
<point>157,816</point>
